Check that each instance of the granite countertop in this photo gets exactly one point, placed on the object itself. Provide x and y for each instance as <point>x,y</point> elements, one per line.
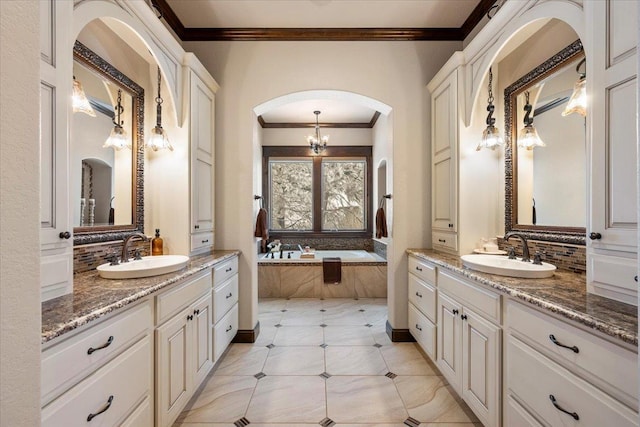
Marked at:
<point>564,293</point>
<point>94,297</point>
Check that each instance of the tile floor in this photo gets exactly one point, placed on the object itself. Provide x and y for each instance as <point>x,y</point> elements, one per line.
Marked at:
<point>328,363</point>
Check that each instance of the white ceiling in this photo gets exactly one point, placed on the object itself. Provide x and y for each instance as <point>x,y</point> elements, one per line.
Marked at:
<point>332,111</point>
<point>322,13</point>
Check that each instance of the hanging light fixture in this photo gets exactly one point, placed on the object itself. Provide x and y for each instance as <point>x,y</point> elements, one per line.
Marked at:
<point>118,137</point>
<point>158,139</point>
<point>317,143</point>
<point>528,137</point>
<point>79,100</point>
<point>491,136</point>
<point>578,101</point>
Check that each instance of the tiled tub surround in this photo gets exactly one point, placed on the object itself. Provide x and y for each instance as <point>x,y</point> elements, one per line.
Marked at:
<point>563,294</point>
<point>94,297</point>
<point>331,243</point>
<point>303,279</point>
<point>564,256</point>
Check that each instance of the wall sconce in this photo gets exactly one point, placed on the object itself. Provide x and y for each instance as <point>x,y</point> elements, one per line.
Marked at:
<point>491,136</point>
<point>158,139</point>
<point>578,101</point>
<point>528,137</point>
<point>79,100</point>
<point>118,137</point>
<point>317,143</point>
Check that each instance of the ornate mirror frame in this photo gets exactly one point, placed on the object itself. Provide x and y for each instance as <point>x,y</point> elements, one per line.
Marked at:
<point>563,234</point>
<point>85,235</point>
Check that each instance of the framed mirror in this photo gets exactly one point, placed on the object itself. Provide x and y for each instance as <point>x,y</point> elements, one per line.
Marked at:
<point>107,183</point>
<point>545,186</point>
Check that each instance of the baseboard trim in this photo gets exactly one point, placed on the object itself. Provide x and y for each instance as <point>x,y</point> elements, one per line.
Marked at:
<point>399,335</point>
<point>246,336</point>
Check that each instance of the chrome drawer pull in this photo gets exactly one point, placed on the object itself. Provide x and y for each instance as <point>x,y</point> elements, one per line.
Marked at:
<point>229,296</point>
<point>418,268</point>
<point>107,344</point>
<point>555,341</point>
<point>561,409</point>
<point>418,294</point>
<point>228,269</point>
<point>109,402</point>
<point>229,328</point>
<point>418,327</point>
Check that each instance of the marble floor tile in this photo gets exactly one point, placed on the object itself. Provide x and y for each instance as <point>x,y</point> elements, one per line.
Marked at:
<point>406,359</point>
<point>348,335</point>
<point>351,317</point>
<point>301,304</point>
<point>270,318</point>
<point>288,399</point>
<point>266,336</point>
<point>299,335</point>
<point>376,302</point>
<point>302,318</point>
<point>340,304</point>
<point>371,425</point>
<point>242,359</point>
<point>364,399</point>
<point>451,425</point>
<point>295,361</point>
<point>266,305</point>
<point>430,400</point>
<point>223,399</point>
<point>360,360</point>
<point>186,424</point>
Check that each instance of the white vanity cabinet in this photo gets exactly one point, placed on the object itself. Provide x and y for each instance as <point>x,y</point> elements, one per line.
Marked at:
<point>557,374</point>
<point>202,88</point>
<point>224,322</point>
<point>104,373</point>
<point>612,87</point>
<point>422,305</point>
<point>56,263</point>
<point>183,345</point>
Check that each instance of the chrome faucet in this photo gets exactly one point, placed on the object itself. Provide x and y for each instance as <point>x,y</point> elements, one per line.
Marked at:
<point>125,247</point>
<point>525,248</point>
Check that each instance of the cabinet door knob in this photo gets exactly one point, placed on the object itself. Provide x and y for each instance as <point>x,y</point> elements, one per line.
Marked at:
<point>450,225</point>
<point>418,294</point>
<point>561,409</point>
<point>556,342</point>
<point>107,406</point>
<point>635,278</point>
<point>418,327</point>
<point>196,312</point>
<point>455,311</point>
<point>418,268</point>
<point>64,235</point>
<point>196,227</point>
<point>229,296</point>
<point>105,345</point>
<point>189,317</point>
<point>595,236</point>
<point>229,328</point>
<point>463,316</point>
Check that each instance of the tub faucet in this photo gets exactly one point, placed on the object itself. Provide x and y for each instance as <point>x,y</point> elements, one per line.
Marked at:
<point>125,247</point>
<point>525,248</point>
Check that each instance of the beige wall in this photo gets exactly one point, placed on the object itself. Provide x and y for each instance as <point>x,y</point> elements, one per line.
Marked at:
<point>251,73</point>
<point>19,222</point>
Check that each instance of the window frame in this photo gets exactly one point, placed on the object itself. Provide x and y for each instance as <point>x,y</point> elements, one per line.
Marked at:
<point>337,152</point>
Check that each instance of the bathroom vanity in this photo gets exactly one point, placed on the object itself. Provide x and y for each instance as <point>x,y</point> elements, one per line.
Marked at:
<point>525,352</point>
<point>128,352</point>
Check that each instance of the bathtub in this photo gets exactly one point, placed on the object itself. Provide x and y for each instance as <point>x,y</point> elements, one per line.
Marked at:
<point>364,275</point>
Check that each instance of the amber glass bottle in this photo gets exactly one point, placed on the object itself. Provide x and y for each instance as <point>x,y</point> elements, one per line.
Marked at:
<point>156,244</point>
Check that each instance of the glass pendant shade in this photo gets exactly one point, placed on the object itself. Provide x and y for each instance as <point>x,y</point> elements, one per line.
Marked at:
<point>117,139</point>
<point>529,139</point>
<point>490,138</point>
<point>578,101</point>
<point>158,139</point>
<point>79,100</point>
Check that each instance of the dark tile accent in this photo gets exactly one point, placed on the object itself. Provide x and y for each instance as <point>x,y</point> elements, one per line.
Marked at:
<point>361,310</point>
<point>324,345</point>
<point>270,346</point>
<point>327,422</point>
<point>399,335</point>
<point>390,375</point>
<point>284,310</point>
<point>241,422</point>
<point>411,422</point>
<point>246,336</point>
<point>377,345</point>
<point>260,375</point>
<point>325,375</point>
<point>322,310</point>
<point>368,325</point>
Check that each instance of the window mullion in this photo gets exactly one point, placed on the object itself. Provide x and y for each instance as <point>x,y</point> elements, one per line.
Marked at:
<point>317,194</point>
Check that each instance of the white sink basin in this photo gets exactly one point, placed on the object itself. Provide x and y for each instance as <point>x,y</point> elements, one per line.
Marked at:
<point>145,267</point>
<point>503,266</point>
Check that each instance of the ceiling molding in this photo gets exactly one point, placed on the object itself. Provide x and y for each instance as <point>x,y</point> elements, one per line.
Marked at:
<point>322,34</point>
<point>367,125</point>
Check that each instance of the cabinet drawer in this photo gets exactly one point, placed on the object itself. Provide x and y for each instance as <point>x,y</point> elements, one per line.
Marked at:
<point>423,296</point>
<point>225,296</point>
<point>518,416</point>
<point>224,270</point>
<point>444,240</point>
<point>613,277</point>
<point>609,362</point>
<point>482,300</point>
<point>174,300</point>
<point>224,331</point>
<point>66,363</point>
<point>533,379</point>
<point>423,330</point>
<point>201,240</point>
<point>423,270</point>
<point>141,417</point>
<point>128,378</point>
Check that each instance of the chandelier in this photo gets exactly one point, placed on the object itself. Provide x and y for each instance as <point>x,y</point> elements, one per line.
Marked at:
<point>317,143</point>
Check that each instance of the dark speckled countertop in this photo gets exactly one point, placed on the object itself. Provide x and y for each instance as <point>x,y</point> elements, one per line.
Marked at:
<point>94,297</point>
<point>565,293</point>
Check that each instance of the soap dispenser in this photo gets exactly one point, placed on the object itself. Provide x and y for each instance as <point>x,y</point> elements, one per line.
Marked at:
<point>156,244</point>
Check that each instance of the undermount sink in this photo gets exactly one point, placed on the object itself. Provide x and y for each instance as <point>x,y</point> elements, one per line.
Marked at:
<point>146,267</point>
<point>503,266</point>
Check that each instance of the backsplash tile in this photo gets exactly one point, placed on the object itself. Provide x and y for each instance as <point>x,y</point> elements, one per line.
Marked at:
<point>88,257</point>
<point>331,243</point>
<point>564,256</point>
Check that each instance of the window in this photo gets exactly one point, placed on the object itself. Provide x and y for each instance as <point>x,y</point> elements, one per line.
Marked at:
<point>311,194</point>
